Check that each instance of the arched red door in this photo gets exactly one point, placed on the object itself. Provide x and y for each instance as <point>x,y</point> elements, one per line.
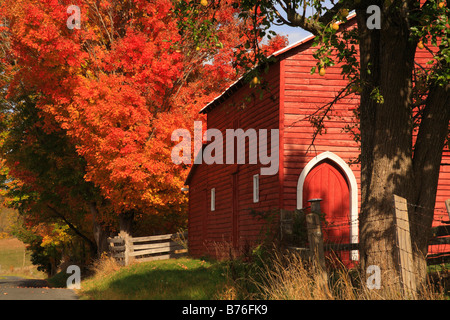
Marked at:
<point>327,182</point>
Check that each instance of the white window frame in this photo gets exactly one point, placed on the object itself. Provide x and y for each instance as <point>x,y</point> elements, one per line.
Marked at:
<point>255,188</point>
<point>213,199</point>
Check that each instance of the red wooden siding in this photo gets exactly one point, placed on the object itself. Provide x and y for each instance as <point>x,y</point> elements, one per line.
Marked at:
<point>297,95</point>
<point>442,194</point>
<point>232,224</point>
<point>198,210</point>
<point>303,94</point>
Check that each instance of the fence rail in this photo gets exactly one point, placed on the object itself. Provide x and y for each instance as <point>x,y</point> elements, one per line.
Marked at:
<point>160,247</point>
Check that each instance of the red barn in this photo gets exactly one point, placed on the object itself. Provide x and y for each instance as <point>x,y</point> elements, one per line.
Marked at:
<point>222,196</point>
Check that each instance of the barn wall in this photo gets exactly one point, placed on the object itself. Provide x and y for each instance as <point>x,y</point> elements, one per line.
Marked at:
<point>302,93</point>
<point>297,95</point>
<point>443,192</point>
<point>224,227</point>
<point>198,210</point>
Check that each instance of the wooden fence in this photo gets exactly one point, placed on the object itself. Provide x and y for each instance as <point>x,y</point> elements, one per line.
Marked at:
<point>126,249</point>
<point>439,235</point>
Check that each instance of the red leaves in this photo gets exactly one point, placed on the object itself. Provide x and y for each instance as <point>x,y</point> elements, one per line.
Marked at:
<point>119,86</point>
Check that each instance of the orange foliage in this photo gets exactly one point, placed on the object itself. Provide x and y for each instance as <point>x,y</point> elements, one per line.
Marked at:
<point>119,86</point>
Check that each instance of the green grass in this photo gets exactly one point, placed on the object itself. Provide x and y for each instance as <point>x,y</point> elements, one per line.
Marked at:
<point>193,279</point>
<point>13,254</point>
<point>177,279</point>
<point>15,260</point>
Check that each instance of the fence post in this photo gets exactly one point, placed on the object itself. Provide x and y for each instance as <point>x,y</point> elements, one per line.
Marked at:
<point>316,241</point>
<point>315,232</point>
<point>128,246</point>
<point>285,224</point>
<point>405,254</point>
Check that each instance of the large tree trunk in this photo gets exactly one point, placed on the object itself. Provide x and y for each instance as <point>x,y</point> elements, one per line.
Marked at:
<point>388,164</point>
<point>126,223</point>
<point>100,234</point>
<point>430,142</point>
<point>386,140</point>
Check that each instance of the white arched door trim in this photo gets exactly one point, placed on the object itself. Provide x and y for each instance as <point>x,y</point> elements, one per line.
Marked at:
<point>353,191</point>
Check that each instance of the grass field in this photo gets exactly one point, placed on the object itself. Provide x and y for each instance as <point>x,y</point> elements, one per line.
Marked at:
<point>15,260</point>
<point>184,279</point>
<point>193,279</point>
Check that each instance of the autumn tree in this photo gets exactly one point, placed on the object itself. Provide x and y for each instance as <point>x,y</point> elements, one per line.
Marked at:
<point>404,111</point>
<point>114,90</point>
<point>43,176</point>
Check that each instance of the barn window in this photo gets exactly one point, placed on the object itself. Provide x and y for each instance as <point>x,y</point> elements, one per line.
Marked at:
<point>213,199</point>
<point>256,188</point>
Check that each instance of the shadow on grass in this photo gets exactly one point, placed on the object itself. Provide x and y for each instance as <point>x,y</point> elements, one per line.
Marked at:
<point>159,282</point>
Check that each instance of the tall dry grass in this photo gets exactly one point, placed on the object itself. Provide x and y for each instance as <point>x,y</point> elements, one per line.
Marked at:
<point>289,277</point>
<point>104,266</point>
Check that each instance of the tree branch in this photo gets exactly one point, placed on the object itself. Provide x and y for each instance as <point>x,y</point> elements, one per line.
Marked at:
<point>327,108</point>
<point>295,19</point>
<point>71,226</point>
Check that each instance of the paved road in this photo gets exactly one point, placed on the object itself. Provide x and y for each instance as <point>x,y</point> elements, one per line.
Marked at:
<point>15,288</point>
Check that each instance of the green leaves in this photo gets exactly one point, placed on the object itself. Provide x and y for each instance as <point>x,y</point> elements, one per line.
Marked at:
<point>337,48</point>
<point>375,94</point>
<point>197,23</point>
<point>430,27</point>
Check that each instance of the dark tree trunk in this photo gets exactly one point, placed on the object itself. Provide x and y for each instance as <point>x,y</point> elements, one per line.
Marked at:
<point>388,164</point>
<point>100,233</point>
<point>126,223</point>
<point>428,148</point>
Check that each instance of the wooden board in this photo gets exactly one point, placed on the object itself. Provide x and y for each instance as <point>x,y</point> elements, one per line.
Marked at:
<point>149,248</point>
<point>152,238</point>
<point>404,246</point>
<point>153,251</point>
<point>167,245</point>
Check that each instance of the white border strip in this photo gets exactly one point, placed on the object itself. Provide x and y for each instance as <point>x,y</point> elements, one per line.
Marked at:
<point>353,185</point>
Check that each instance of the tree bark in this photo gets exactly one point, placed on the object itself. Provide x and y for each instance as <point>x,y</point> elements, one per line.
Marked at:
<point>126,223</point>
<point>430,142</point>
<point>386,137</point>
<point>100,234</point>
<point>389,163</point>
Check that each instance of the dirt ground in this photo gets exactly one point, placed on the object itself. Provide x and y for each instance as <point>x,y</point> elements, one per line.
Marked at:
<point>11,244</point>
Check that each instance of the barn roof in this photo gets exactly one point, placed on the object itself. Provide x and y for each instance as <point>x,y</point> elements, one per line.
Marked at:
<point>240,82</point>
<point>233,88</point>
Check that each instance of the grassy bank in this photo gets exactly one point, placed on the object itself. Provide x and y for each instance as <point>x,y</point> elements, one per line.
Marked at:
<point>185,279</point>
<point>261,276</point>
<point>283,278</point>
